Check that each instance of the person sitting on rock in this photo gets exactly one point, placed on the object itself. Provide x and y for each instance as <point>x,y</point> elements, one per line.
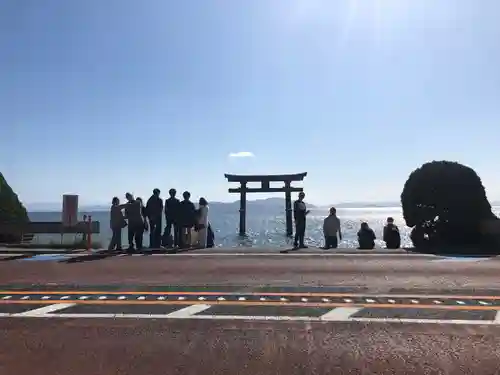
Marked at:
<point>366,237</point>
<point>392,237</point>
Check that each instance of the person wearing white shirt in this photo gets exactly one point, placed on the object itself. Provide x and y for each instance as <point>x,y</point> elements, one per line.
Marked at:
<point>202,222</point>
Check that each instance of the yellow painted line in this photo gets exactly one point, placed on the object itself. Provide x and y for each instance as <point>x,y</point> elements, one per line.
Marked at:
<point>243,293</point>
<point>229,303</point>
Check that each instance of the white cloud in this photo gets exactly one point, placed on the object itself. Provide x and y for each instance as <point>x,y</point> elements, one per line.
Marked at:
<point>241,154</point>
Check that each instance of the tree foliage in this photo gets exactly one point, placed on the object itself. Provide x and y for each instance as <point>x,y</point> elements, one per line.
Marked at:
<point>445,203</point>
<point>12,211</point>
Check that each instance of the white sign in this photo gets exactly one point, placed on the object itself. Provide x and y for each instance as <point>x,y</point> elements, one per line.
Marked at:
<point>70,210</point>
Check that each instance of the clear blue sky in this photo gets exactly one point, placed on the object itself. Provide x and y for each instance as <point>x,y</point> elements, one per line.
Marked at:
<point>100,97</point>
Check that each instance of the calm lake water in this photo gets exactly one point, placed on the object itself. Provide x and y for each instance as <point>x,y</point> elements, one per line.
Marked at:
<point>264,229</point>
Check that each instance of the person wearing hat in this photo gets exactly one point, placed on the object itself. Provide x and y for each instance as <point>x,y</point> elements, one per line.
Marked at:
<point>391,237</point>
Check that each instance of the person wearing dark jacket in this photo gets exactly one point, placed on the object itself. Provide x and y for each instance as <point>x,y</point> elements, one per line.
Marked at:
<point>187,218</point>
<point>392,237</point>
<point>134,212</point>
<point>366,237</point>
<point>299,214</point>
<point>154,211</point>
<point>172,220</point>
<point>117,223</point>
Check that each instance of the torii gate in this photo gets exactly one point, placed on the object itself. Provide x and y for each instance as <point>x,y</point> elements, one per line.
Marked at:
<point>265,188</point>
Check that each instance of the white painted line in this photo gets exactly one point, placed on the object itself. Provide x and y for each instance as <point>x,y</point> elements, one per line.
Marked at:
<point>258,318</point>
<point>188,311</point>
<point>497,317</point>
<point>423,321</point>
<point>43,311</point>
<point>340,313</point>
<point>80,316</point>
<point>249,254</point>
<point>4,315</point>
<point>7,297</point>
<point>461,260</point>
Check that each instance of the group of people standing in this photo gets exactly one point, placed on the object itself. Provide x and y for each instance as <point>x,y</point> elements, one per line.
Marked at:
<point>181,218</point>
<point>332,230</point>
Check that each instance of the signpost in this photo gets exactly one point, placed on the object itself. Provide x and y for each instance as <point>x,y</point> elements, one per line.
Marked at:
<point>70,210</point>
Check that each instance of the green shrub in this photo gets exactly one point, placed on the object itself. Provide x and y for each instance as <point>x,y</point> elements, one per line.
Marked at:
<point>12,212</point>
<point>445,203</point>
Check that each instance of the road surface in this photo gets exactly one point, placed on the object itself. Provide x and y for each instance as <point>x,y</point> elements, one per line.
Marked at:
<point>249,314</point>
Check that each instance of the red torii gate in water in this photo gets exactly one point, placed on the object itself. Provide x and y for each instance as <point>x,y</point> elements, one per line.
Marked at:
<point>265,188</point>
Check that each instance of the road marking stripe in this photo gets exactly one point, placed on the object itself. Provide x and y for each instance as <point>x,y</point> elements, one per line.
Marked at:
<point>43,311</point>
<point>10,294</point>
<point>424,321</point>
<point>258,303</point>
<point>221,298</point>
<point>188,311</point>
<point>252,294</point>
<point>259,318</point>
<point>293,254</point>
<point>340,313</point>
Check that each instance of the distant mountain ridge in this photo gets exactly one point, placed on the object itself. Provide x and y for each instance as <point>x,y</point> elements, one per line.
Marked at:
<point>267,203</point>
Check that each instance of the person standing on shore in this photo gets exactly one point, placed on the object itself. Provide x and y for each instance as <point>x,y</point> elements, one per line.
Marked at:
<point>117,223</point>
<point>172,220</point>
<point>331,226</point>
<point>299,214</point>
<point>187,218</point>
<point>136,224</point>
<point>145,226</point>
<point>202,224</point>
<point>154,211</point>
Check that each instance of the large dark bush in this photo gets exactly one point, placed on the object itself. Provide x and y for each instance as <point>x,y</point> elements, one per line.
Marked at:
<point>12,212</point>
<point>445,203</point>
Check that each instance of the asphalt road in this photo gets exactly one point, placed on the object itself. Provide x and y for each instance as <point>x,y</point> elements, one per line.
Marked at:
<point>189,314</point>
